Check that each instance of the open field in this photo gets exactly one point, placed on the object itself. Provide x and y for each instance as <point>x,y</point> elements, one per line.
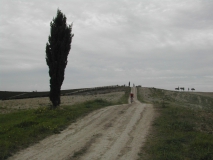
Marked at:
<point>203,100</point>
<point>111,94</point>
<point>107,133</point>
<point>31,103</point>
<point>183,128</point>
<point>114,132</point>
<point>21,127</point>
<point>7,95</point>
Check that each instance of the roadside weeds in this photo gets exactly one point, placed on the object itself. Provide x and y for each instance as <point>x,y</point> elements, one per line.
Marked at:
<point>179,132</point>
<point>20,129</point>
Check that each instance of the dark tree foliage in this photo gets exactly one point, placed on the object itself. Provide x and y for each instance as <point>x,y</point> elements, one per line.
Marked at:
<point>57,50</point>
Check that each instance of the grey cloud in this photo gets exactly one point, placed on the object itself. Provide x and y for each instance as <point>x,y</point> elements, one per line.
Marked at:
<point>153,43</point>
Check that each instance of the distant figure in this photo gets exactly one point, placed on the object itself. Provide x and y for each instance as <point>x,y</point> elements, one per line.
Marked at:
<point>188,89</point>
<point>182,88</point>
<point>129,84</point>
<point>131,96</point>
<point>177,88</point>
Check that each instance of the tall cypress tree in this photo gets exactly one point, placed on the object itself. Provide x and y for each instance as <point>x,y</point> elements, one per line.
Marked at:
<point>57,50</point>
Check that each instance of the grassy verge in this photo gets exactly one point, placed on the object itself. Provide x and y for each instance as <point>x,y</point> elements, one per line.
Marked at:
<point>124,98</point>
<point>20,129</point>
<point>180,133</point>
<point>140,96</point>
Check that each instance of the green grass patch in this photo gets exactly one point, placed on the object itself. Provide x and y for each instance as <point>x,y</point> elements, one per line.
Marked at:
<point>140,95</point>
<point>180,133</point>
<point>157,93</point>
<point>20,129</point>
<point>125,97</point>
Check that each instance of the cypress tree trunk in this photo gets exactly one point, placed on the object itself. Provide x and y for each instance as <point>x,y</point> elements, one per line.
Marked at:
<point>57,50</point>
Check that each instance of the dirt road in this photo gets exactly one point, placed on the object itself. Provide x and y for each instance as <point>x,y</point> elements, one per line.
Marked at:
<point>111,133</point>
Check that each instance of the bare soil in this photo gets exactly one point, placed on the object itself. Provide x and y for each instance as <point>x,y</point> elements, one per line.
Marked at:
<point>112,133</point>
<point>29,103</point>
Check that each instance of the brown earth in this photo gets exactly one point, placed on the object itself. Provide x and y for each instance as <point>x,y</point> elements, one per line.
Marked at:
<point>29,103</point>
<point>111,133</point>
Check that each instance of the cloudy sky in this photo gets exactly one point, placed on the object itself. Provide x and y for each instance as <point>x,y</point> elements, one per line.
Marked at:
<point>153,43</point>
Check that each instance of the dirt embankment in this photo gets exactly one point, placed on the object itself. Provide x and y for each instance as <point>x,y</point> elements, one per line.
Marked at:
<point>111,133</point>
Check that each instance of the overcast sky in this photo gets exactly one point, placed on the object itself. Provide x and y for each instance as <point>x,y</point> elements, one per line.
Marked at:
<point>153,43</point>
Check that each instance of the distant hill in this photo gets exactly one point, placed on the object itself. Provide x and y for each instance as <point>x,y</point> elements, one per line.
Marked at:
<point>5,95</point>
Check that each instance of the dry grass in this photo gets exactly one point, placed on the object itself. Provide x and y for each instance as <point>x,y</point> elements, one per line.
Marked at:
<point>7,106</point>
<point>183,129</point>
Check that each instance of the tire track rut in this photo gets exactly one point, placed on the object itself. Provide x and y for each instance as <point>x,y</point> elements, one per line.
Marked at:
<point>111,133</point>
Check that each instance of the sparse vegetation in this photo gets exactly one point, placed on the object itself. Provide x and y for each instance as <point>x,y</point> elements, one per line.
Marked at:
<point>20,129</point>
<point>180,132</point>
<point>140,96</point>
<point>124,98</point>
<point>5,95</point>
<point>183,129</point>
